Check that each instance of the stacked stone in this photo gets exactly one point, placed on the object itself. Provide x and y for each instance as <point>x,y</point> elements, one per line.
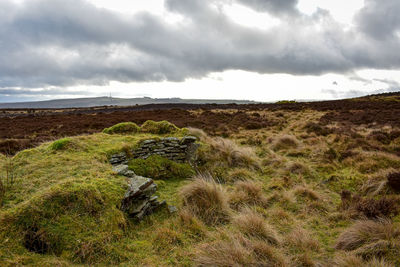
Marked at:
<point>138,200</point>
<point>119,158</point>
<point>179,150</point>
<point>170,147</point>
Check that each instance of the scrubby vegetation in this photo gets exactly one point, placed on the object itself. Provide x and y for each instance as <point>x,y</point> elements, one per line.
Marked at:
<point>299,192</point>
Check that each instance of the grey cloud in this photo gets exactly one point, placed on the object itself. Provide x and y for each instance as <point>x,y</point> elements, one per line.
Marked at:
<point>67,42</point>
<point>380,18</point>
<point>272,6</point>
<point>40,92</point>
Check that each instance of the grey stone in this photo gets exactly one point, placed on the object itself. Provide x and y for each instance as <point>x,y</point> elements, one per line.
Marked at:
<point>188,140</point>
<point>172,209</point>
<point>149,141</point>
<point>121,169</point>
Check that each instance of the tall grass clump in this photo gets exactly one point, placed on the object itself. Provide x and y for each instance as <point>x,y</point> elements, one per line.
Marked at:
<point>369,238</point>
<point>351,260</point>
<point>254,225</point>
<point>247,193</point>
<point>285,142</point>
<point>222,149</point>
<point>123,128</point>
<point>237,250</point>
<point>206,200</point>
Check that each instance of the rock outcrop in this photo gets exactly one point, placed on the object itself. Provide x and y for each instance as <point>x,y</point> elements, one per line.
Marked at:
<point>138,200</point>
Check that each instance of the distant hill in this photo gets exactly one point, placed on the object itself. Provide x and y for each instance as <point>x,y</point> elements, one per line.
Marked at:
<point>107,101</point>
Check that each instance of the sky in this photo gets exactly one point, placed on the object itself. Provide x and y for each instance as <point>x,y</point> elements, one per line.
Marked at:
<point>262,50</point>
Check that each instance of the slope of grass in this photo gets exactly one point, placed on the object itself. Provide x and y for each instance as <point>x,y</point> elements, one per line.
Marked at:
<point>63,206</point>
<point>273,196</point>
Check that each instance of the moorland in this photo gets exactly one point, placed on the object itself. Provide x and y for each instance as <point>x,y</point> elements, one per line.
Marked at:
<point>284,184</point>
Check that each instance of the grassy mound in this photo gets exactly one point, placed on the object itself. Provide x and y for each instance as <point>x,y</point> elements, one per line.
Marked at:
<point>123,128</point>
<point>62,208</point>
<point>75,219</point>
<point>158,167</point>
<point>159,127</point>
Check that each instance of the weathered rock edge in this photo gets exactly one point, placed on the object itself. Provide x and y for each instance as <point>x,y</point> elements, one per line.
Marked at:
<point>138,200</point>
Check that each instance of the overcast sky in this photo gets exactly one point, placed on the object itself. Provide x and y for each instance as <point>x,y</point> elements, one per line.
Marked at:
<point>263,50</point>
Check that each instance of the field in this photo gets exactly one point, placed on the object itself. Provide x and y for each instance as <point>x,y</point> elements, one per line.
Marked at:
<point>20,129</point>
<point>289,184</point>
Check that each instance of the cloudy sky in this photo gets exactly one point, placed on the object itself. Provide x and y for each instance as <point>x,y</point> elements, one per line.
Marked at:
<point>263,50</point>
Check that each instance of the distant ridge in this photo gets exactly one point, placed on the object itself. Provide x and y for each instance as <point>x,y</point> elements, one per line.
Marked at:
<point>108,101</point>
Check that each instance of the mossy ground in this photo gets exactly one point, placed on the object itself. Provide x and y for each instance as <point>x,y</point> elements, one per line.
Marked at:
<point>72,195</point>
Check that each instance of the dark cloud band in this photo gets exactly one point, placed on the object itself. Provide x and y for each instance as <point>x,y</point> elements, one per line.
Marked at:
<point>69,42</point>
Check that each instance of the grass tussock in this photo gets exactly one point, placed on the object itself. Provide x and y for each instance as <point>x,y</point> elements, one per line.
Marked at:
<point>306,192</point>
<point>352,260</point>
<point>377,184</point>
<point>236,250</point>
<point>206,200</point>
<point>248,193</point>
<point>123,128</point>
<point>384,207</point>
<point>297,167</point>
<point>368,237</point>
<point>285,142</point>
<point>254,225</point>
<point>233,154</point>
<point>301,239</point>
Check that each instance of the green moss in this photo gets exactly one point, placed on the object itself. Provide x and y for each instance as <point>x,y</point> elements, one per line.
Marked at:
<point>158,167</point>
<point>159,127</point>
<point>61,144</point>
<point>123,128</point>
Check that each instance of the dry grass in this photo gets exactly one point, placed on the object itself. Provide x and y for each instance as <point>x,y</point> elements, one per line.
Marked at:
<point>376,184</point>
<point>367,233</point>
<point>254,225</point>
<point>302,239</point>
<point>297,167</point>
<point>248,193</point>
<point>306,192</point>
<point>191,224</point>
<point>285,142</point>
<point>348,260</point>
<point>387,206</point>
<point>239,174</point>
<point>352,260</point>
<point>200,134</point>
<point>236,250</point>
<point>206,199</point>
<point>236,156</point>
